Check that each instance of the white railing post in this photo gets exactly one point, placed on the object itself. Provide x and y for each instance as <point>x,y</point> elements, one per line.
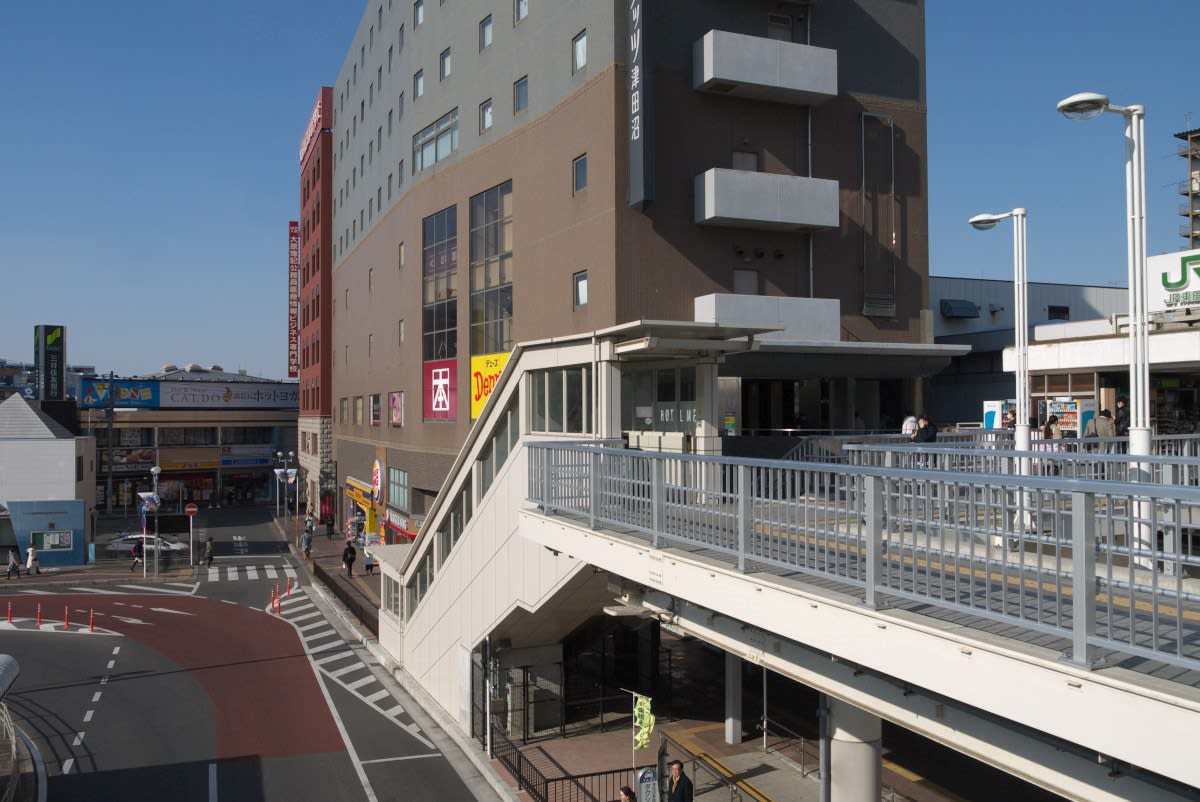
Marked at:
<point>657,498</point>
<point>873,513</point>
<point>546,494</point>
<point>593,486</point>
<point>1083,580</point>
<point>745,515</point>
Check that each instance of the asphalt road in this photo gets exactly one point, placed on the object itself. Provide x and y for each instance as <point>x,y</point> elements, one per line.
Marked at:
<point>192,690</point>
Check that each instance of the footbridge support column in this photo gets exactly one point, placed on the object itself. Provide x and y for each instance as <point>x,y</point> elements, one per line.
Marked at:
<point>855,754</point>
<point>733,698</point>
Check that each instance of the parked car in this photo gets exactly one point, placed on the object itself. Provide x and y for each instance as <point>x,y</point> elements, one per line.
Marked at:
<point>123,544</point>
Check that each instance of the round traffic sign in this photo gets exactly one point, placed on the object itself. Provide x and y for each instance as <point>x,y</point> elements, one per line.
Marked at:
<point>191,508</point>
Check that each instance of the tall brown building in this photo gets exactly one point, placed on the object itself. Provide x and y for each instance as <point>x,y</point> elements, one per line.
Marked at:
<point>513,170</point>
<point>317,472</point>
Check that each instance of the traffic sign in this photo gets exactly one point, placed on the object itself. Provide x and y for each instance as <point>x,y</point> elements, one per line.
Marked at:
<point>191,508</point>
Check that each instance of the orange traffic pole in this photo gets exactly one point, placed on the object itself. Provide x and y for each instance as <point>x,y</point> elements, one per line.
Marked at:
<point>92,620</point>
<point>66,616</point>
<point>289,588</point>
<point>10,612</point>
<point>39,614</point>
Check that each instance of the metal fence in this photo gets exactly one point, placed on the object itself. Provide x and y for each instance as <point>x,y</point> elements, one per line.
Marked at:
<point>1012,548</point>
<point>599,786</point>
<point>360,607</point>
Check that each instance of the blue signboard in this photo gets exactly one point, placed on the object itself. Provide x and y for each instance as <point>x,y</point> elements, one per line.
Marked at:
<point>126,393</point>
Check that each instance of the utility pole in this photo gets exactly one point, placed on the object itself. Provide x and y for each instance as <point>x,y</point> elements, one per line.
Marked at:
<point>108,484</point>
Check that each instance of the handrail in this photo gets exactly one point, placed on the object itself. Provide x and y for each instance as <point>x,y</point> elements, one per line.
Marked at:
<point>932,537</point>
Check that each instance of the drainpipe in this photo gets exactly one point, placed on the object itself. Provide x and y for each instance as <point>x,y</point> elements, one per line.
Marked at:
<point>823,736</point>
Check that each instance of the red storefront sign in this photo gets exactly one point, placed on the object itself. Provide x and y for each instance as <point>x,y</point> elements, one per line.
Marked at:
<point>440,383</point>
<point>293,299</point>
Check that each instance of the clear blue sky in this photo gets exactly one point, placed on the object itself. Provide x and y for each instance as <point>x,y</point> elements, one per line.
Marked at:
<point>150,158</point>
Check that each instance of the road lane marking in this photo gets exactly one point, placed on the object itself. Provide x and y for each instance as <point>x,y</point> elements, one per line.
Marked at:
<point>331,633</point>
<point>95,697</point>
<point>67,765</point>
<point>156,589</point>
<point>104,680</point>
<point>305,617</point>
<point>88,716</point>
<point>116,650</point>
<point>392,712</point>
<point>343,671</point>
<point>358,683</point>
<point>110,665</point>
<point>101,591</point>
<point>37,592</point>
<point>169,610</point>
<point>401,757</point>
<point>214,574</point>
<point>78,739</point>
<point>232,574</point>
<point>129,620</point>
<point>251,572</point>
<point>313,625</point>
<point>375,697</point>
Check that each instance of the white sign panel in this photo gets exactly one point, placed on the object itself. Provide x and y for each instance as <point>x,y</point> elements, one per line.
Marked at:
<point>1173,281</point>
<point>235,395</point>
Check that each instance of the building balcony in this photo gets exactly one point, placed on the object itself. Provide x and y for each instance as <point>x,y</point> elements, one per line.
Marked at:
<point>757,68</point>
<point>765,201</point>
<point>1190,186</point>
<point>1189,208</point>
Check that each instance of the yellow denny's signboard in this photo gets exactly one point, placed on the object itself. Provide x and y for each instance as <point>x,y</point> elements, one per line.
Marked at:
<point>485,372</point>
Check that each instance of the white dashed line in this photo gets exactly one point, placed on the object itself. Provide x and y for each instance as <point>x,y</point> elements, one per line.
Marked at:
<point>88,716</point>
<point>67,765</point>
<point>78,739</point>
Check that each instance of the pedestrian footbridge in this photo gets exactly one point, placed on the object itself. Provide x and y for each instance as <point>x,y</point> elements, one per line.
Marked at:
<point>1044,624</point>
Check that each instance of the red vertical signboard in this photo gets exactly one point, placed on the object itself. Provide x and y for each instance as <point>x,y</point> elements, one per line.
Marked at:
<point>441,389</point>
<point>293,299</point>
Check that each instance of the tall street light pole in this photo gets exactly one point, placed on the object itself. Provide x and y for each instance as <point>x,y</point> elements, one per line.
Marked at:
<point>984,222</point>
<point>1088,106</point>
<point>154,472</point>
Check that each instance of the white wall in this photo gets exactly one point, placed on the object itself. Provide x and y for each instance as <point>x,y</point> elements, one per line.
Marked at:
<point>38,470</point>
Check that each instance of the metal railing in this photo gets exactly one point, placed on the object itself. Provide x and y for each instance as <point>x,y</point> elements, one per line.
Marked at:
<point>1016,549</point>
<point>362,608</point>
<point>831,448</point>
<point>598,785</point>
<point>1092,459</point>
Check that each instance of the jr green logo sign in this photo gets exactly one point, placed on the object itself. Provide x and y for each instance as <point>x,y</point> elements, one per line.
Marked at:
<point>1180,281</point>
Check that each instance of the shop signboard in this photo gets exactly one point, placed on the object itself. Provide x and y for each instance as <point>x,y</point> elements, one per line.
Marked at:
<point>396,408</point>
<point>1173,281</point>
<point>126,393</point>
<point>485,373</point>
<point>440,389</point>
<point>126,460</point>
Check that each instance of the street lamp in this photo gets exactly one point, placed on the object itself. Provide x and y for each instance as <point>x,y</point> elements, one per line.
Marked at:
<point>1088,106</point>
<point>154,472</point>
<point>284,475</point>
<point>984,222</point>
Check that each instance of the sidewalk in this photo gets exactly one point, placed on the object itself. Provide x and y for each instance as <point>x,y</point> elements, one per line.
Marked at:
<point>327,554</point>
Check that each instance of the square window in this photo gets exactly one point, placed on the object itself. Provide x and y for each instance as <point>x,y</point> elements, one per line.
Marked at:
<point>579,172</point>
<point>485,115</point>
<point>485,32</point>
<point>745,282</point>
<point>579,52</point>
<point>418,12</point>
<point>579,284</point>
<point>520,10</point>
<point>419,83</point>
<point>444,64</point>
<point>521,94</point>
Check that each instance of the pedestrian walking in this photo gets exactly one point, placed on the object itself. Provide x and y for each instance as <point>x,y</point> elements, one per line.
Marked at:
<point>31,561</point>
<point>309,523</point>
<point>306,543</point>
<point>329,529</point>
<point>209,551</point>
<point>909,426</point>
<point>681,786</point>
<point>627,794</point>
<point>348,556</point>
<point>138,554</point>
<point>1122,420</point>
<point>14,564</point>
<point>368,561</point>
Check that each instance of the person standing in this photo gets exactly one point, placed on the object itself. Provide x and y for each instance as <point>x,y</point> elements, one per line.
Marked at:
<point>138,552</point>
<point>627,794</point>
<point>306,542</point>
<point>14,564</point>
<point>368,561</point>
<point>1122,421</point>
<point>348,556</point>
<point>329,529</point>
<point>1010,419</point>
<point>680,789</point>
<point>926,430</point>
<point>209,551</point>
<point>31,561</point>
<point>909,426</point>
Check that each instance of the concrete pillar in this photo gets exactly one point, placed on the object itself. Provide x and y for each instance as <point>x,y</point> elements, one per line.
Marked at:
<point>855,756</point>
<point>707,439</point>
<point>733,699</point>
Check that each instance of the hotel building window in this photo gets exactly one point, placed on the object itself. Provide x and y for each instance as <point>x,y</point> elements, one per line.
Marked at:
<point>440,285</point>
<point>491,270</point>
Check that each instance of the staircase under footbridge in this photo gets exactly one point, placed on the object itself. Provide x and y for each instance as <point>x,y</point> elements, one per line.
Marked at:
<point>1048,627</point>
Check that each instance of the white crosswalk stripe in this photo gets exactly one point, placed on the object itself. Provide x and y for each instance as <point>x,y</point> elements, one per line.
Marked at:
<point>341,672</point>
<point>380,694</point>
<point>358,683</point>
<point>251,572</point>
<point>271,572</point>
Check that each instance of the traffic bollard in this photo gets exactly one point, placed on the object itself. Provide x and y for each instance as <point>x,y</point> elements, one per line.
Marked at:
<point>66,616</point>
<point>289,588</point>
<point>92,620</point>
<point>10,612</point>
<point>39,614</point>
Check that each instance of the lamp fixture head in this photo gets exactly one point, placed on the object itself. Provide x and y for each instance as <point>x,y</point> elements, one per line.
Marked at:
<point>984,222</point>
<point>1084,106</point>
<point>156,470</point>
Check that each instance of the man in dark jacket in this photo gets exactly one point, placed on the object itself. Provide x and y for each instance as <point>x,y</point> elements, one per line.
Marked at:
<point>926,431</point>
<point>1122,418</point>
<point>680,789</point>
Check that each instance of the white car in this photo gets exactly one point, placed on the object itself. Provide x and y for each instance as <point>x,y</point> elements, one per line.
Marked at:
<point>123,544</point>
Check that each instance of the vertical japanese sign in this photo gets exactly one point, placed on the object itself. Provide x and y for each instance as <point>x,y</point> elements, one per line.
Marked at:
<point>641,140</point>
<point>441,389</point>
<point>50,359</point>
<point>293,299</point>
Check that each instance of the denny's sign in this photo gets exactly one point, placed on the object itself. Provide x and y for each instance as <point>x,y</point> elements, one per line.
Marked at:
<point>485,373</point>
